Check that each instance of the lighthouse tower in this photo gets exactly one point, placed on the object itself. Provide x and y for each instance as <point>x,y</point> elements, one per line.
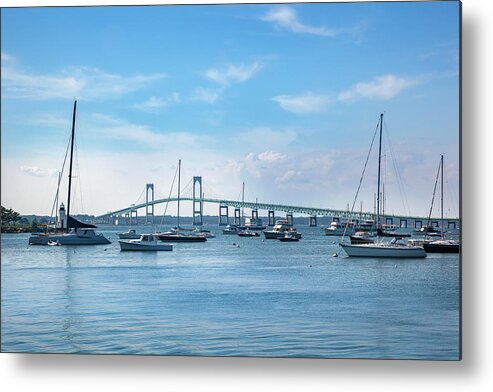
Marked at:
<point>62,217</point>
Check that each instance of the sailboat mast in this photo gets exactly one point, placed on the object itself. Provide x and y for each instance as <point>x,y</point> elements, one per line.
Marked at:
<point>71,161</point>
<point>242,201</point>
<point>379,164</point>
<point>179,179</point>
<point>441,201</point>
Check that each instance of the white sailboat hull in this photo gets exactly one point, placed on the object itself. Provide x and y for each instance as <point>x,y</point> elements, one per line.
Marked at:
<point>383,250</point>
<point>139,246</point>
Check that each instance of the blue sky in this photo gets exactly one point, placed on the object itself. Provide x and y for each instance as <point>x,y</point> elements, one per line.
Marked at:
<point>283,97</point>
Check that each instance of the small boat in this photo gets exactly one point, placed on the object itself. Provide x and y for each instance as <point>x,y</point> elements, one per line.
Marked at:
<point>248,233</point>
<point>288,238</point>
<point>362,237</point>
<point>338,228</point>
<point>205,233</point>
<point>54,243</point>
<point>178,234</point>
<point>253,224</point>
<point>231,229</point>
<point>281,227</point>
<point>131,234</point>
<point>146,242</point>
<point>442,246</point>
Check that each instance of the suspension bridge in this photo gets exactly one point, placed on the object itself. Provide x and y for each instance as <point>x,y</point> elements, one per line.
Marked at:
<point>128,214</point>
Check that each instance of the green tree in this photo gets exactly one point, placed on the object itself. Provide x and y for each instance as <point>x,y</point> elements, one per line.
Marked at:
<point>9,216</point>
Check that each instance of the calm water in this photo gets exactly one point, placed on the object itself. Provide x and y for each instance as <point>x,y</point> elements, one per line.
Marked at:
<point>265,298</point>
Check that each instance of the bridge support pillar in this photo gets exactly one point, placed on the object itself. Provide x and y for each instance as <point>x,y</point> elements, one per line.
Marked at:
<point>313,221</point>
<point>149,215</point>
<point>223,215</point>
<point>272,217</point>
<point>289,217</point>
<point>254,214</point>
<point>197,201</point>
<point>237,218</point>
<point>133,214</point>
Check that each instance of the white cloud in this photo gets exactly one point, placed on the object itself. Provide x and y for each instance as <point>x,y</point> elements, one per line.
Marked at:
<point>209,95</point>
<point>232,74</point>
<point>287,18</point>
<point>381,87</point>
<point>81,82</point>
<point>271,156</point>
<point>303,104</point>
<point>154,102</point>
<point>37,172</point>
<point>265,138</point>
<point>290,176</point>
<point>117,129</point>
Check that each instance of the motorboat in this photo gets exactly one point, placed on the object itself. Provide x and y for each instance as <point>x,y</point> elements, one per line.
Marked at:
<point>338,228</point>
<point>288,238</point>
<point>205,233</point>
<point>279,230</point>
<point>442,246</point>
<point>248,233</point>
<point>253,224</point>
<point>131,234</point>
<point>231,229</point>
<point>362,237</point>
<point>146,242</point>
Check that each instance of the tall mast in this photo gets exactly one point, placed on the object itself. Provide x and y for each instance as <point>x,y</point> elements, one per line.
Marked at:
<point>179,178</point>
<point>242,200</point>
<point>71,160</point>
<point>441,201</point>
<point>379,163</point>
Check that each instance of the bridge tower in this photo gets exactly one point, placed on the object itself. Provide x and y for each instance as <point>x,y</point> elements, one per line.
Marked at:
<point>289,217</point>
<point>133,214</point>
<point>313,221</point>
<point>223,215</point>
<point>197,201</point>
<point>149,189</point>
<point>237,219</point>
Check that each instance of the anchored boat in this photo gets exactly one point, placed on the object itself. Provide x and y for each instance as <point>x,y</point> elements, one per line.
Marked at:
<point>70,231</point>
<point>146,242</point>
<point>381,248</point>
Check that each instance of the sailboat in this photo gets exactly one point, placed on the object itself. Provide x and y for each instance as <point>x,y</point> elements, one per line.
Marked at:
<point>72,231</point>
<point>442,245</point>
<point>178,234</point>
<point>379,248</point>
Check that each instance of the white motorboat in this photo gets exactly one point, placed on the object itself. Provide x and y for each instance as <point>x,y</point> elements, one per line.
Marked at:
<point>381,248</point>
<point>70,230</point>
<point>131,234</point>
<point>248,233</point>
<point>205,233</point>
<point>288,238</point>
<point>281,227</point>
<point>338,228</point>
<point>146,242</point>
<point>231,229</point>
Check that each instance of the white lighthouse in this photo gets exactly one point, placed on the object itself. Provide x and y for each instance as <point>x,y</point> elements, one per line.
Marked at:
<point>62,217</point>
